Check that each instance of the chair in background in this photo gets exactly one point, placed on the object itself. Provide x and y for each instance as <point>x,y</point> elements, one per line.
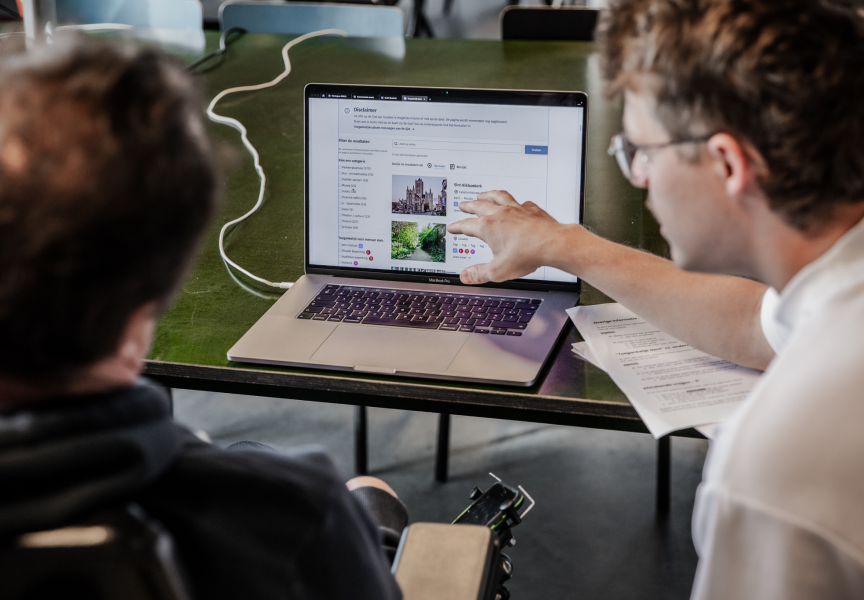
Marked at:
<point>357,21</point>
<point>568,23</point>
<point>162,14</point>
<point>176,23</point>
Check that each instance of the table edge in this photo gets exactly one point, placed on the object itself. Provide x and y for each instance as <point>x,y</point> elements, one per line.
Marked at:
<point>403,395</point>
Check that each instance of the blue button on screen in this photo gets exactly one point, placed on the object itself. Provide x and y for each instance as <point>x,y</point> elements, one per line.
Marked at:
<point>536,149</point>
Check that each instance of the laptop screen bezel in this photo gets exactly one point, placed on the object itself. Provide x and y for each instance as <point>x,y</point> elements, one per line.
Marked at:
<point>453,95</point>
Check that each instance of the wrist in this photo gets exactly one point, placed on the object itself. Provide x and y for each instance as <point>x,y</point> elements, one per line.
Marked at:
<point>561,244</point>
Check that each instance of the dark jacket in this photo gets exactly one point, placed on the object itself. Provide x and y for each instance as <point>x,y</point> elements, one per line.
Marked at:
<point>247,523</point>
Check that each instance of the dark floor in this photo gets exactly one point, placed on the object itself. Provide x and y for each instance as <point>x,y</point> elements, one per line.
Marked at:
<point>593,533</point>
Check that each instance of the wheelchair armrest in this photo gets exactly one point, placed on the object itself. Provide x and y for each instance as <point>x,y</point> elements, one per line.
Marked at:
<point>453,562</point>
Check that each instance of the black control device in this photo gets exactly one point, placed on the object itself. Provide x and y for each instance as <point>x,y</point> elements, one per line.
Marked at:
<point>500,508</point>
<point>496,508</point>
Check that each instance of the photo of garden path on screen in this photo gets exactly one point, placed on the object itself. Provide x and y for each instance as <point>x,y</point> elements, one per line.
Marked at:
<point>411,241</point>
<point>419,195</point>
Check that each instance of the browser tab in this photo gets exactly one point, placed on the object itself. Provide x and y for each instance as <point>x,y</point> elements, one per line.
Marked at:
<point>415,98</point>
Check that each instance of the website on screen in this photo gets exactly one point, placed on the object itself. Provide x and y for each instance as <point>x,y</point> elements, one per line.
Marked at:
<point>388,173</point>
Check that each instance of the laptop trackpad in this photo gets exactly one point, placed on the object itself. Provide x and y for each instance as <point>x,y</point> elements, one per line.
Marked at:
<point>399,348</point>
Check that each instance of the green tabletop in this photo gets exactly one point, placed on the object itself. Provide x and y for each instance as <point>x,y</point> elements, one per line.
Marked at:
<point>212,311</point>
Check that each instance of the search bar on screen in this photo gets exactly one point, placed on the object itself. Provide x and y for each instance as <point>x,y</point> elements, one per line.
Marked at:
<point>459,146</point>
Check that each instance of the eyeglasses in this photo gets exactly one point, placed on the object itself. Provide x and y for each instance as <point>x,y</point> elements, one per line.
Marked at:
<point>625,153</point>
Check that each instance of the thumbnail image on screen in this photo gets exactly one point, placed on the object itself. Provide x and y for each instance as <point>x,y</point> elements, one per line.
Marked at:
<point>419,195</point>
<point>416,241</point>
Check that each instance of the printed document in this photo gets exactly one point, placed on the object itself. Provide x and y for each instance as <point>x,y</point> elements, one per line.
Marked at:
<point>583,351</point>
<point>670,384</point>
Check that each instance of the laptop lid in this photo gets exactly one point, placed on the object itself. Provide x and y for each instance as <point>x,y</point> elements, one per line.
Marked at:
<point>386,169</point>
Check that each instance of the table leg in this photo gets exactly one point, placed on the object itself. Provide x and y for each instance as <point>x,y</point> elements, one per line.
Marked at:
<point>443,451</point>
<point>664,481</point>
<point>361,434</point>
<point>419,23</point>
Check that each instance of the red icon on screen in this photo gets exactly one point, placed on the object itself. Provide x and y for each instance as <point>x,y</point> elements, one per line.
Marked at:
<point>460,250</point>
<point>368,252</point>
<point>370,258</point>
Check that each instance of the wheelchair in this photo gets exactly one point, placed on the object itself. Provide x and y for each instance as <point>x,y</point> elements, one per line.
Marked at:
<point>123,554</point>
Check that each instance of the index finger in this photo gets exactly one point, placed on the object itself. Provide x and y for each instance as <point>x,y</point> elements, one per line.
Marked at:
<point>500,197</point>
<point>481,208</point>
<point>465,227</point>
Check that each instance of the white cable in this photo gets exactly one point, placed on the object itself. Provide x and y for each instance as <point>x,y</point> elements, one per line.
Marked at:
<point>239,127</point>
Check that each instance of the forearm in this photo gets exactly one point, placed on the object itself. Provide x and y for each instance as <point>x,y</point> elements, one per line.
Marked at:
<point>715,313</point>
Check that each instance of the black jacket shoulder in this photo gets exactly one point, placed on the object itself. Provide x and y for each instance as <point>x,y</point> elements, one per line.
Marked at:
<point>247,524</point>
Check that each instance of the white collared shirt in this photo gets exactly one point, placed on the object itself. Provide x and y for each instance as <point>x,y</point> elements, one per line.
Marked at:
<point>780,511</point>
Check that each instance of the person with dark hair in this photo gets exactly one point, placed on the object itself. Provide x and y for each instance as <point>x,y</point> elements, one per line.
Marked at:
<point>744,120</point>
<point>107,184</point>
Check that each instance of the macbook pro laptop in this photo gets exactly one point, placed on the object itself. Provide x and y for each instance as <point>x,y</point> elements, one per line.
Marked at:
<point>386,171</point>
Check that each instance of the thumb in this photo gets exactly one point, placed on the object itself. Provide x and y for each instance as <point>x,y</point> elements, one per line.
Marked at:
<point>476,274</point>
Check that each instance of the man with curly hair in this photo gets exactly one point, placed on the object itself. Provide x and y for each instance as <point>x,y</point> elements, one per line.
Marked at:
<point>744,120</point>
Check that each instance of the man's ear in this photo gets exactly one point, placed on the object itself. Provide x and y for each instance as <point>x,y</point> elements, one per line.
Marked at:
<point>732,163</point>
<point>138,335</point>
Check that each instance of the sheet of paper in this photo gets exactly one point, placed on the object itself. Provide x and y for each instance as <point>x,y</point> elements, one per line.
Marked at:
<point>670,384</point>
<point>583,351</point>
<point>707,430</point>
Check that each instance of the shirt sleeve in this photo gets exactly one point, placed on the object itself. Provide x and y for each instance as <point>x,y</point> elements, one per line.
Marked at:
<point>752,552</point>
<point>776,334</point>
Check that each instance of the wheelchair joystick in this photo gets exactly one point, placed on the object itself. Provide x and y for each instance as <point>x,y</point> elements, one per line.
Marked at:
<point>499,509</point>
<point>487,528</point>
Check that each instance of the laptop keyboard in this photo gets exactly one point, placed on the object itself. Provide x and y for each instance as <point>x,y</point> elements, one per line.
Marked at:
<point>494,315</point>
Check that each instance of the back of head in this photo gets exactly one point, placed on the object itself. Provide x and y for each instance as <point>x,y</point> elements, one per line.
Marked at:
<point>782,75</point>
<point>106,185</point>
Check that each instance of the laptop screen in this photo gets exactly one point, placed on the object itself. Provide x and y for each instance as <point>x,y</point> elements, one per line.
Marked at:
<point>387,169</point>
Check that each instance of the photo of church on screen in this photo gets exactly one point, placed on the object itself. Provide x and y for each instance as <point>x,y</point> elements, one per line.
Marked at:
<point>421,195</point>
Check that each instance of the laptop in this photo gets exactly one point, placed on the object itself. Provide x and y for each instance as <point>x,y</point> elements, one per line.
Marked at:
<point>386,170</point>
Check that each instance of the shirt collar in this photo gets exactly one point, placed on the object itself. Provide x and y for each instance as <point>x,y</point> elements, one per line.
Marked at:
<point>837,272</point>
